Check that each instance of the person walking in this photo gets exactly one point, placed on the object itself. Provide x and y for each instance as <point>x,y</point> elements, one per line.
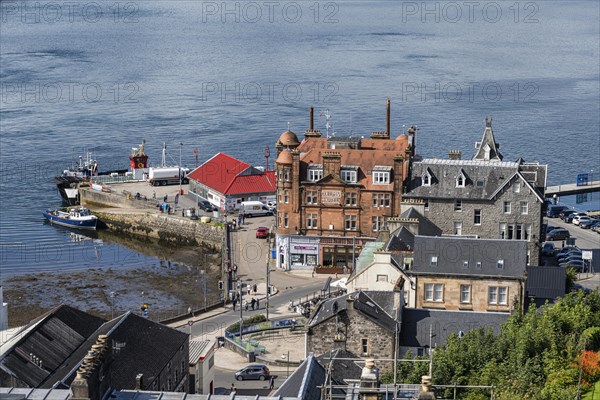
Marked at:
<point>249,288</point>
<point>234,302</point>
<point>232,390</point>
<point>246,305</point>
<point>272,382</point>
<point>252,303</point>
<point>257,304</point>
<point>254,288</point>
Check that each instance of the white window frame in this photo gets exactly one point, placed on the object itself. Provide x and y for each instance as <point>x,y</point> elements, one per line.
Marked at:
<point>507,207</point>
<point>498,295</point>
<point>348,175</point>
<point>381,177</point>
<point>457,205</point>
<point>312,197</point>
<point>285,220</point>
<point>465,264</point>
<point>377,223</point>
<point>457,226</point>
<point>524,205</point>
<point>286,196</point>
<point>500,264</point>
<point>460,180</point>
<point>426,178</point>
<point>312,221</point>
<point>314,174</point>
<point>434,292</point>
<point>476,216</point>
<point>350,223</point>
<point>434,261</point>
<point>352,196</point>
<point>465,294</point>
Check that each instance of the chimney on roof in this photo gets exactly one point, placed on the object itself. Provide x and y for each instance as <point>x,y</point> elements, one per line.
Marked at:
<point>454,155</point>
<point>369,381</point>
<point>311,132</point>
<point>387,119</point>
<point>139,381</point>
<point>332,163</point>
<point>426,392</point>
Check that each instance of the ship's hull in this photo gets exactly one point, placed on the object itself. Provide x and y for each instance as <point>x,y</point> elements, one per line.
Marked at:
<point>67,188</point>
<point>83,223</point>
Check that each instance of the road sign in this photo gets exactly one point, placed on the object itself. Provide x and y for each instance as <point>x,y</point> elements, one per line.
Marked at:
<point>190,323</point>
<point>586,254</point>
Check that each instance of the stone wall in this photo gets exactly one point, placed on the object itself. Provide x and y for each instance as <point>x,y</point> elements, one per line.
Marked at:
<point>352,327</point>
<point>95,198</point>
<point>169,228</point>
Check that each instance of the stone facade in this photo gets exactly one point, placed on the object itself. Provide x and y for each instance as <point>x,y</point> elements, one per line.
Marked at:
<point>442,212</point>
<point>478,290</point>
<point>353,332</point>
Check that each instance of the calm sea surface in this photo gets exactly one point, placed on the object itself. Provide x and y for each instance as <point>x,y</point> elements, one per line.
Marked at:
<point>230,76</point>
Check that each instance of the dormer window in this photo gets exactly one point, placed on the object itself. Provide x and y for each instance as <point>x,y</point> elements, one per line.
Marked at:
<point>381,175</point>
<point>314,173</point>
<point>349,174</point>
<point>460,179</point>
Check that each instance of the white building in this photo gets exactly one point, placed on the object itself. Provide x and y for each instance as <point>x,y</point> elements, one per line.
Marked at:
<point>202,366</point>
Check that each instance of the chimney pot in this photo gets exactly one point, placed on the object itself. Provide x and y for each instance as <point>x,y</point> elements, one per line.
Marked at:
<point>387,119</point>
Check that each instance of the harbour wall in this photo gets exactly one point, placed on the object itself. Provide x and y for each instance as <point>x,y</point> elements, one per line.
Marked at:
<point>142,219</point>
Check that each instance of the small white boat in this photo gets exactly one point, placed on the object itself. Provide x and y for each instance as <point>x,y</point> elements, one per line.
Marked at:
<point>75,217</point>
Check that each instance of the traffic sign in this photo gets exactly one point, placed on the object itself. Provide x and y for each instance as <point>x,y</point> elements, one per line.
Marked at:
<point>190,323</point>
<point>586,254</point>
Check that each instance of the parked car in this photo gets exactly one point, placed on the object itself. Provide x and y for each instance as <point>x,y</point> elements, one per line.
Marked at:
<point>589,224</point>
<point>558,234</point>
<point>262,233</point>
<point>564,213</point>
<point>577,265</point>
<point>580,218</point>
<point>206,206</point>
<point>596,228</point>
<point>554,210</point>
<point>550,228</point>
<point>253,372</point>
<point>569,258</point>
<point>566,251</point>
<point>548,249</point>
<point>569,218</point>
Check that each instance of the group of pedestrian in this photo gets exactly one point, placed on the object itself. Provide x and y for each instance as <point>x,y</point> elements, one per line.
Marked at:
<point>253,304</point>
<point>241,218</point>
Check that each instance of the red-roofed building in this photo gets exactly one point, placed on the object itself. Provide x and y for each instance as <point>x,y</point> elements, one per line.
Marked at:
<point>226,181</point>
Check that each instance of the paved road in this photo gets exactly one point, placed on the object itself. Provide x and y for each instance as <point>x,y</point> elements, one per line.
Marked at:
<point>585,238</point>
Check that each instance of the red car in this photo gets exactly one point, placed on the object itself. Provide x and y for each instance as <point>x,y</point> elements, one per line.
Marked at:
<point>262,233</point>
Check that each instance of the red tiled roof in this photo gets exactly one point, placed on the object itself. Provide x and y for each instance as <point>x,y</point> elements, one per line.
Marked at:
<point>253,183</point>
<point>221,173</point>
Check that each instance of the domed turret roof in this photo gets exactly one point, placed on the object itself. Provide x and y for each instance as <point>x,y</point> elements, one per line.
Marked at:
<point>288,138</point>
<point>285,157</point>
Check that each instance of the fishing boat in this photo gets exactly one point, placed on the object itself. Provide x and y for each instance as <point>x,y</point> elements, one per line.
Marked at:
<point>76,217</point>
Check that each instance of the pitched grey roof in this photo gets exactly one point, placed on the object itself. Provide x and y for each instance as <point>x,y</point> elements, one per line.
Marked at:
<point>426,227</point>
<point>341,367</point>
<point>40,351</point>
<point>545,282</point>
<point>147,347</point>
<point>365,302</point>
<point>416,323</point>
<point>487,149</point>
<point>453,251</point>
<point>304,381</point>
<point>199,348</point>
<point>483,178</point>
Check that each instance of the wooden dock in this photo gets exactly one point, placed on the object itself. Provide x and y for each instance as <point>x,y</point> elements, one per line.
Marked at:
<point>572,188</point>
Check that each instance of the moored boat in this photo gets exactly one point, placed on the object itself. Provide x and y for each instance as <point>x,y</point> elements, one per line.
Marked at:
<point>76,217</point>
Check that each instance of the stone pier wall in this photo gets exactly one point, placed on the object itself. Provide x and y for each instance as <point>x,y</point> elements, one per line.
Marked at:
<point>137,217</point>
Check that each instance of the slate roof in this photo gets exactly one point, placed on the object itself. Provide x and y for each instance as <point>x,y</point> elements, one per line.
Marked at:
<point>145,348</point>
<point>51,338</point>
<point>415,328</point>
<point>199,349</point>
<point>426,227</point>
<point>230,176</point>
<point>341,367</point>
<point>453,251</point>
<point>545,282</point>
<point>375,305</point>
<point>304,381</point>
<point>487,149</point>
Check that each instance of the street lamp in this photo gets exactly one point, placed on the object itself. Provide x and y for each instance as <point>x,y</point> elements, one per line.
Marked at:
<point>112,304</point>
<point>283,357</point>
<point>239,286</point>
<point>180,148</point>
<point>268,275</point>
<point>204,284</point>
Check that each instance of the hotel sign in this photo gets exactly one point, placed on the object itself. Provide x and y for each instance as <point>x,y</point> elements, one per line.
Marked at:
<point>331,196</point>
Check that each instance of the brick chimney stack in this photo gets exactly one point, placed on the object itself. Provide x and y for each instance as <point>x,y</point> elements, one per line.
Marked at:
<point>387,119</point>
<point>311,132</point>
<point>369,381</point>
<point>454,155</point>
<point>93,380</point>
<point>332,163</point>
<point>426,392</point>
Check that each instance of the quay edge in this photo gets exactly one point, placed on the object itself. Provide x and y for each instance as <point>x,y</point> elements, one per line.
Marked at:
<point>143,220</point>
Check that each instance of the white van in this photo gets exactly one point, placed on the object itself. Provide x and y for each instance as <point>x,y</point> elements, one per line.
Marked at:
<point>254,209</point>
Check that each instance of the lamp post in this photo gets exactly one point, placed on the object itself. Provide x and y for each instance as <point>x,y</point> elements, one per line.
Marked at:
<point>112,304</point>
<point>204,284</point>
<point>239,286</point>
<point>268,275</point>
<point>283,357</point>
<point>180,148</point>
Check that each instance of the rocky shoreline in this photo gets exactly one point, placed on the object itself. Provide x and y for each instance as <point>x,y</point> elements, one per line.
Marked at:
<point>169,288</point>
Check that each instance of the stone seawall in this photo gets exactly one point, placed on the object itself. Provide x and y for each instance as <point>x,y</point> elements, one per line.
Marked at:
<point>140,218</point>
